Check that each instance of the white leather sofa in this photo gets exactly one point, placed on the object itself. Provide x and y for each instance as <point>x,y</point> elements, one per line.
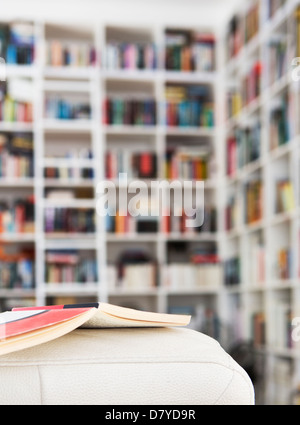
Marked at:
<point>164,366</point>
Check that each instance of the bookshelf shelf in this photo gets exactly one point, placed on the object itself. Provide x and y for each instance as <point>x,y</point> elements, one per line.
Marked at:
<point>267,250</point>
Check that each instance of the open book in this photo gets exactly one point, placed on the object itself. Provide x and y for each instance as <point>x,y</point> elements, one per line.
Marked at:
<point>25,327</point>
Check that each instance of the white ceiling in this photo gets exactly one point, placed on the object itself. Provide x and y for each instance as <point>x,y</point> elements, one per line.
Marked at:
<point>176,12</point>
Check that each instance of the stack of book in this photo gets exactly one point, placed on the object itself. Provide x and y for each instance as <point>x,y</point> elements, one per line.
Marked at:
<point>17,270</point>
<point>135,164</point>
<point>69,220</point>
<point>16,156</point>
<point>60,108</point>
<point>254,201</point>
<point>189,52</point>
<point>17,43</point>
<point>17,216</point>
<point>189,106</point>
<point>122,111</point>
<point>67,267</point>
<point>65,53</point>
<point>285,199</point>
<point>130,56</point>
<point>186,163</point>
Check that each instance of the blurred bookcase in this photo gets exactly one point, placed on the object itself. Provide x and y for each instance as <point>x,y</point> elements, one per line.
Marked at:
<point>260,236</point>
<point>106,100</point>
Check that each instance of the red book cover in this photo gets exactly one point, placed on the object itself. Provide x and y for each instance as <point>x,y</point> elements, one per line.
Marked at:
<point>20,321</point>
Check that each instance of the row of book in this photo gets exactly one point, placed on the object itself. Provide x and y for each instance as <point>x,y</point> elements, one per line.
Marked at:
<point>177,223</point>
<point>258,328</point>
<point>283,264</point>
<point>17,43</point>
<point>60,108</point>
<point>134,277</point>
<point>135,164</point>
<point>69,220</point>
<point>233,103</point>
<point>254,201</point>
<point>258,264</point>
<point>281,119</point>
<point>277,60</point>
<point>66,53</point>
<point>121,111</point>
<point>251,84</point>
<point>188,106</point>
<point>120,224</point>
<point>243,147</point>
<point>17,216</point>
<point>232,211</point>
<point>232,271</point>
<point>285,198</point>
<point>15,111</point>
<point>68,267</point>
<point>234,39</point>
<point>71,173</point>
<point>130,56</point>
<point>282,316</point>
<point>189,52</point>
<point>16,155</point>
<point>17,269</point>
<point>252,22</point>
<point>190,276</point>
<point>186,163</point>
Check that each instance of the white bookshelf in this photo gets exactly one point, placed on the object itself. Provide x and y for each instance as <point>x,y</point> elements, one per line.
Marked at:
<point>277,230</point>
<point>94,83</point>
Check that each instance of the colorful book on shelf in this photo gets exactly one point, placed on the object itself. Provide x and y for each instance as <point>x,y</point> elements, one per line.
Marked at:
<point>188,106</point>
<point>69,220</point>
<point>16,156</point>
<point>17,217</point>
<point>67,266</point>
<point>135,164</point>
<point>69,109</point>
<point>285,196</point>
<point>188,51</point>
<point>132,56</point>
<point>17,270</point>
<point>17,43</point>
<point>66,53</point>
<point>122,111</point>
<point>27,327</point>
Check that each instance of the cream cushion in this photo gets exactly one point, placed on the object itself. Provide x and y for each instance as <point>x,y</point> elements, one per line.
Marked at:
<point>125,366</point>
